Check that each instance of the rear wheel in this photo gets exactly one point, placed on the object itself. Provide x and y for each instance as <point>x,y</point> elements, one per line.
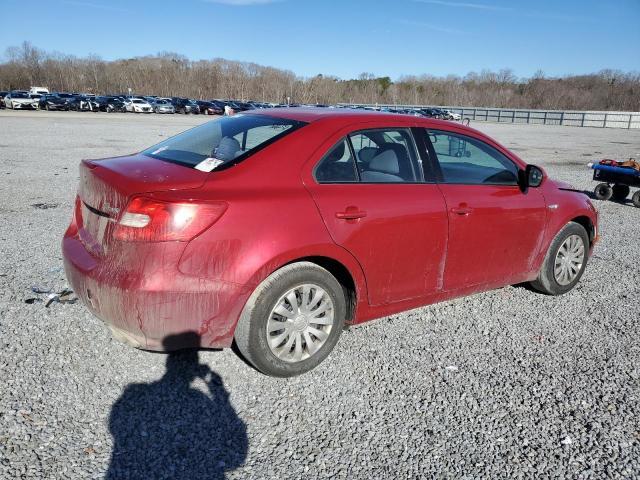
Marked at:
<point>603,191</point>
<point>292,320</point>
<point>620,192</point>
<point>565,261</point>
<point>636,198</point>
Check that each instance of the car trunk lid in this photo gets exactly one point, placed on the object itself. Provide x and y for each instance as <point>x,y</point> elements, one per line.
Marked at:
<point>106,187</point>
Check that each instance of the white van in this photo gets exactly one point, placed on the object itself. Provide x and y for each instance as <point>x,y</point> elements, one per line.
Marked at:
<point>38,91</point>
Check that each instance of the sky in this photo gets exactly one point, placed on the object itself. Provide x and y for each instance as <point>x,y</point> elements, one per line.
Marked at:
<point>343,37</point>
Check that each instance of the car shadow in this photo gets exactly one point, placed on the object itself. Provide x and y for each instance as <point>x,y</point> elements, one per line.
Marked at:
<point>626,202</point>
<point>170,430</point>
<point>590,194</point>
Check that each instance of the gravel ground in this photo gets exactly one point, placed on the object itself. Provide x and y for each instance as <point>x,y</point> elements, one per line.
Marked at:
<point>505,384</point>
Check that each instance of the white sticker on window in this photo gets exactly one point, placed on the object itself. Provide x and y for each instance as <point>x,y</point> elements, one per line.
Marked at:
<point>161,149</point>
<point>208,164</point>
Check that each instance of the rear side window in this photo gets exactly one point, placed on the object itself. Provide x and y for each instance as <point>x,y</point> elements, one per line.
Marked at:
<point>224,141</point>
<point>386,156</point>
<point>466,160</point>
<point>337,166</point>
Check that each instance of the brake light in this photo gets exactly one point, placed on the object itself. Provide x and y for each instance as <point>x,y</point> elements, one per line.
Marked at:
<point>76,218</point>
<point>151,220</point>
<point>77,212</point>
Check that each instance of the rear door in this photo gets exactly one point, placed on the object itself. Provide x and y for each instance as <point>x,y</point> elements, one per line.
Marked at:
<point>370,190</point>
<point>495,229</point>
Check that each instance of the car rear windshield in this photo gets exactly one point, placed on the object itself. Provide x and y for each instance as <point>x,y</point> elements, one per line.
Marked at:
<point>224,142</point>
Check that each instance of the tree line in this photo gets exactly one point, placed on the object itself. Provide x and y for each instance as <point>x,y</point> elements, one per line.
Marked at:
<point>171,74</point>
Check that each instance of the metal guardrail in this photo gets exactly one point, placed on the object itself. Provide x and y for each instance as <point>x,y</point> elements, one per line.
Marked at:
<point>541,117</point>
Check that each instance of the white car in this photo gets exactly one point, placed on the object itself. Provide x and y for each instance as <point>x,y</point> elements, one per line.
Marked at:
<point>163,105</point>
<point>38,90</point>
<point>137,105</point>
<point>20,101</point>
<point>453,115</point>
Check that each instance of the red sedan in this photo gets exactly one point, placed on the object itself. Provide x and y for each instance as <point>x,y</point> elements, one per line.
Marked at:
<point>276,228</point>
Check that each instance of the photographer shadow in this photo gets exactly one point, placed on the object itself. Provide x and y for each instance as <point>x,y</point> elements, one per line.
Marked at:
<point>169,429</point>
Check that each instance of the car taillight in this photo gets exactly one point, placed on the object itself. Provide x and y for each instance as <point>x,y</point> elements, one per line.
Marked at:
<point>77,212</point>
<point>150,220</point>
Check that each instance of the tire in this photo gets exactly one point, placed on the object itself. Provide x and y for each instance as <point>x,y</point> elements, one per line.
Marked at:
<point>549,281</point>
<point>276,359</point>
<point>635,199</point>
<point>620,192</point>
<point>603,191</point>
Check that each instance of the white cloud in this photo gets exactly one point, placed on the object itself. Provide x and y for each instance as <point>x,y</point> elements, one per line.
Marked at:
<point>243,3</point>
<point>476,6</point>
<point>435,28</point>
<point>99,6</point>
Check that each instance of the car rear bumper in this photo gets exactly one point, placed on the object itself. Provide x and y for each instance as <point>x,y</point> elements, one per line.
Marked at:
<point>145,304</point>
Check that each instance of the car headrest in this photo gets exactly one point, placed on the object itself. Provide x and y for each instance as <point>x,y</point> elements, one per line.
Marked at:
<point>367,153</point>
<point>227,149</point>
<point>386,161</point>
<point>337,152</point>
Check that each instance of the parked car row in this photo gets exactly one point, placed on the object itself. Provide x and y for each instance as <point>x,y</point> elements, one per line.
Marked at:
<point>430,112</point>
<point>39,98</point>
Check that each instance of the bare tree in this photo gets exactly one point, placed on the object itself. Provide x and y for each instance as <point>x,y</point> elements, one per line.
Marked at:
<point>171,74</point>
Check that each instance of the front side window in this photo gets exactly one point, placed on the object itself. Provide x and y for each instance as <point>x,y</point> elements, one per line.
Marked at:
<point>385,155</point>
<point>226,140</point>
<point>466,160</point>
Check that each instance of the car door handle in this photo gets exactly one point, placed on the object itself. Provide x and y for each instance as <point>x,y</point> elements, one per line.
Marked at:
<point>462,210</point>
<point>351,213</point>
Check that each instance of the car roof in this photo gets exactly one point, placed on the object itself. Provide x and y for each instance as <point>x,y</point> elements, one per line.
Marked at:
<point>345,116</point>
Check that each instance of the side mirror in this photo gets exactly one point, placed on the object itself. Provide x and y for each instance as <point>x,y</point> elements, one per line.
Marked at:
<point>531,176</point>
<point>534,176</point>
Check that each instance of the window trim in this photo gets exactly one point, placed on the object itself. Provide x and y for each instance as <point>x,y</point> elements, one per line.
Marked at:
<point>429,170</point>
<point>438,169</point>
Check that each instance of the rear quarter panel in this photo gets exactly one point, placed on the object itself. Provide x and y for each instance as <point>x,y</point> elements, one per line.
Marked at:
<point>271,220</point>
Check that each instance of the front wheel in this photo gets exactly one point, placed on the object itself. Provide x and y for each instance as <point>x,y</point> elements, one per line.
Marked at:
<point>565,261</point>
<point>292,320</point>
<point>635,199</point>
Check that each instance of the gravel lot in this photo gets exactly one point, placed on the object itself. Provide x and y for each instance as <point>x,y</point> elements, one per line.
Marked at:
<point>505,384</point>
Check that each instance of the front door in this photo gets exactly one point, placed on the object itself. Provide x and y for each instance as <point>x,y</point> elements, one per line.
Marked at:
<point>495,229</point>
